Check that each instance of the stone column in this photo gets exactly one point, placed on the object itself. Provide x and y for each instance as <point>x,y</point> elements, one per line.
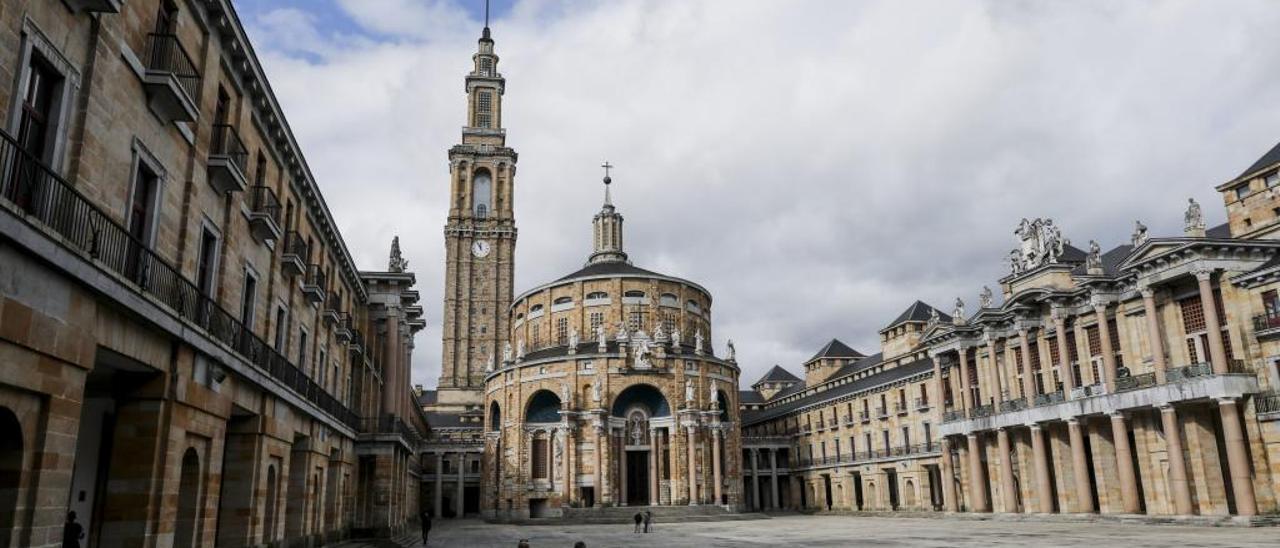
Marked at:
<point>1217,352</point>
<point>1064,354</point>
<point>459,507</point>
<point>997,383</point>
<point>966,395</point>
<point>1124,464</point>
<point>623,499</point>
<point>773,477</point>
<point>1007,489</point>
<point>948,479</point>
<point>1154,334</point>
<point>1237,458</point>
<point>1080,467</point>
<point>937,384</point>
<point>599,468</point>
<point>568,459</point>
<point>439,509</point>
<point>1108,353</point>
<point>691,435</point>
<point>391,386</point>
<point>977,477</point>
<point>716,440</point>
<point>755,479</point>
<point>657,466</point>
<point>1177,463</point>
<point>1043,483</point>
<point>653,467</point>
<point>1028,376</point>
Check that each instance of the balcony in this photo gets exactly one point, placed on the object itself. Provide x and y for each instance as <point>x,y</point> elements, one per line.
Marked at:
<point>228,160</point>
<point>922,404</point>
<point>1009,406</point>
<point>952,415</point>
<point>1267,403</point>
<point>294,260</point>
<point>343,329</point>
<point>900,408</point>
<point>882,413</point>
<point>86,233</point>
<point>864,417</point>
<point>356,345</point>
<point>848,420</point>
<point>94,6</point>
<point>1135,382</point>
<point>331,316</point>
<point>1050,398</point>
<point>264,214</point>
<point>170,79</point>
<point>313,284</point>
<point>1267,326</point>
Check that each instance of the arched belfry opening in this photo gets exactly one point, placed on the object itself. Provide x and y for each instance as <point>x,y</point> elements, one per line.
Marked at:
<point>482,194</point>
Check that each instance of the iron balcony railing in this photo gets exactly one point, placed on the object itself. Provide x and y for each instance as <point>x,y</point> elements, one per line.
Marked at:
<point>49,200</point>
<point>166,54</point>
<point>226,142</point>
<point>1266,321</point>
<point>900,408</point>
<point>952,415</point>
<point>982,411</point>
<point>864,416</point>
<point>1050,398</point>
<point>263,200</point>
<point>1135,382</point>
<point>882,412</point>
<point>295,244</point>
<point>922,404</point>
<point>1013,405</point>
<point>1188,372</point>
<point>1267,402</point>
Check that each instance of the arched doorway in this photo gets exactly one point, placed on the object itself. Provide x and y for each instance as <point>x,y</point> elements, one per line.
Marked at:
<point>909,494</point>
<point>10,472</point>
<point>187,527</point>
<point>272,501</point>
<point>543,408</point>
<point>641,438</point>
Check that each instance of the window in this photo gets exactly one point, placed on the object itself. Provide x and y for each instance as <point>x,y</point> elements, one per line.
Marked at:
<point>282,326</point>
<point>260,170</point>
<point>669,322</point>
<point>484,109</point>
<point>486,66</point>
<point>482,194</point>
<point>597,319</point>
<point>563,300</point>
<point>167,18</point>
<point>248,299</point>
<point>928,434</point>
<point>142,204</point>
<point>539,458</point>
<point>668,299</point>
<point>322,368</point>
<point>634,294</point>
<point>635,320</point>
<point>597,295</point>
<point>207,264</point>
<point>562,331</point>
<point>1272,179</point>
<point>302,349</point>
<point>38,113</point>
<point>906,436</point>
<point>1243,191</point>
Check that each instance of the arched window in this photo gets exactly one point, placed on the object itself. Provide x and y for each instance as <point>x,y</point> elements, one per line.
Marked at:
<point>634,293</point>
<point>668,299</point>
<point>535,309</point>
<point>269,522</point>
<point>597,295</point>
<point>185,530</point>
<point>495,417</point>
<point>481,194</point>
<point>563,300</point>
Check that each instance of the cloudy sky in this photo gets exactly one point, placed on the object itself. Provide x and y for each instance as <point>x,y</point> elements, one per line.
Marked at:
<point>817,165</point>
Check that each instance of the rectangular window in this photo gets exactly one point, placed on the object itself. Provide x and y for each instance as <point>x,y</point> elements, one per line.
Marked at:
<point>38,115</point>
<point>562,331</point>
<point>1272,179</point>
<point>142,205</point>
<point>207,262</point>
<point>928,434</point>
<point>539,458</point>
<point>302,349</point>
<point>597,319</point>
<point>282,326</point>
<point>322,367</point>
<point>906,436</point>
<point>635,320</point>
<point>248,299</point>
<point>484,109</point>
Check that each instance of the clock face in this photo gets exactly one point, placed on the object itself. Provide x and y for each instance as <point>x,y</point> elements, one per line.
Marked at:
<point>480,248</point>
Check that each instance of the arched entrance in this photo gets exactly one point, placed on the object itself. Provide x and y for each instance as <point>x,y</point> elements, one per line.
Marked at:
<point>187,527</point>
<point>640,424</point>
<point>272,501</point>
<point>543,408</point>
<point>10,472</point>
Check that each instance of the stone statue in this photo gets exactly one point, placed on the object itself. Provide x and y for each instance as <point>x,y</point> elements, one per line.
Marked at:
<point>1093,261</point>
<point>397,262</point>
<point>933,316</point>
<point>573,338</point>
<point>659,334</point>
<point>1194,217</point>
<point>1040,242</point>
<point>622,331</point>
<point>520,349</point>
<point>688,390</point>
<point>675,339</point>
<point>1015,262</point>
<point>506,352</point>
<point>642,354</point>
<point>986,299</point>
<point>697,341</point>
<point>602,341</point>
<point>595,392</point>
<point>958,314</point>
<point>732,353</point>
<point>637,432</point>
<point>1139,234</point>
<point>715,396</point>
<point>488,364</point>
<point>559,450</point>
<point>565,395</point>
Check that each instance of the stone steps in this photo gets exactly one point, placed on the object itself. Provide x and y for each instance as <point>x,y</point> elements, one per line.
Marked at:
<point>626,515</point>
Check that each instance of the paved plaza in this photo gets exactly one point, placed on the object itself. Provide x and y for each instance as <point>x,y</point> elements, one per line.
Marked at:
<point>852,531</point>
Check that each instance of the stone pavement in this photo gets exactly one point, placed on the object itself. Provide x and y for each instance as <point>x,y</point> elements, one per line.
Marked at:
<point>797,530</point>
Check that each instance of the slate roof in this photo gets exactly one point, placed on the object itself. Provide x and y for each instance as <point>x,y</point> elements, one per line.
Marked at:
<point>1110,261</point>
<point>1221,231</point>
<point>449,420</point>
<point>836,349</point>
<point>778,374</point>
<point>610,268</point>
<point>887,376</point>
<point>1270,158</point>
<point>427,397</point>
<point>854,367</point>
<point>750,397</point>
<point>917,312</point>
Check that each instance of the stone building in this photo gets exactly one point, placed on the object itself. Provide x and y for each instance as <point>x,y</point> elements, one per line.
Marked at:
<point>188,353</point>
<point>1141,379</point>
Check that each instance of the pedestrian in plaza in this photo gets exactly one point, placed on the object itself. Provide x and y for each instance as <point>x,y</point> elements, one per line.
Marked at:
<point>579,544</point>
<point>72,532</point>
<point>426,525</point>
<point>648,519</point>
<point>524,543</point>
<point>639,518</point>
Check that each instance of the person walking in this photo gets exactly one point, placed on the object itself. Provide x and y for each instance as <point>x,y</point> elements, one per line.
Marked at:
<point>426,525</point>
<point>639,518</point>
<point>72,532</point>
<point>648,518</point>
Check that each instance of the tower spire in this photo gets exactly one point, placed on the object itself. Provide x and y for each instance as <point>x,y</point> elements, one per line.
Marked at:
<point>607,228</point>
<point>485,33</point>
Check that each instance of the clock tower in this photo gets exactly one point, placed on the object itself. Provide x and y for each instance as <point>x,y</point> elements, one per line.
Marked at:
<point>480,238</point>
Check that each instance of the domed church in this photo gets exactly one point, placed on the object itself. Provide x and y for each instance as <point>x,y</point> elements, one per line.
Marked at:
<point>608,394</point>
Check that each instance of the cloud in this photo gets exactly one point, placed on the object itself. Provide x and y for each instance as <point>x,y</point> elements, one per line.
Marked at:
<point>817,166</point>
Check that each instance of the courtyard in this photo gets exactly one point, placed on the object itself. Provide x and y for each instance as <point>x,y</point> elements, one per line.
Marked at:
<point>799,530</point>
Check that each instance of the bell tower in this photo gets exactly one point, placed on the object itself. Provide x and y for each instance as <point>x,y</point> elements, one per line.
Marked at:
<point>480,237</point>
